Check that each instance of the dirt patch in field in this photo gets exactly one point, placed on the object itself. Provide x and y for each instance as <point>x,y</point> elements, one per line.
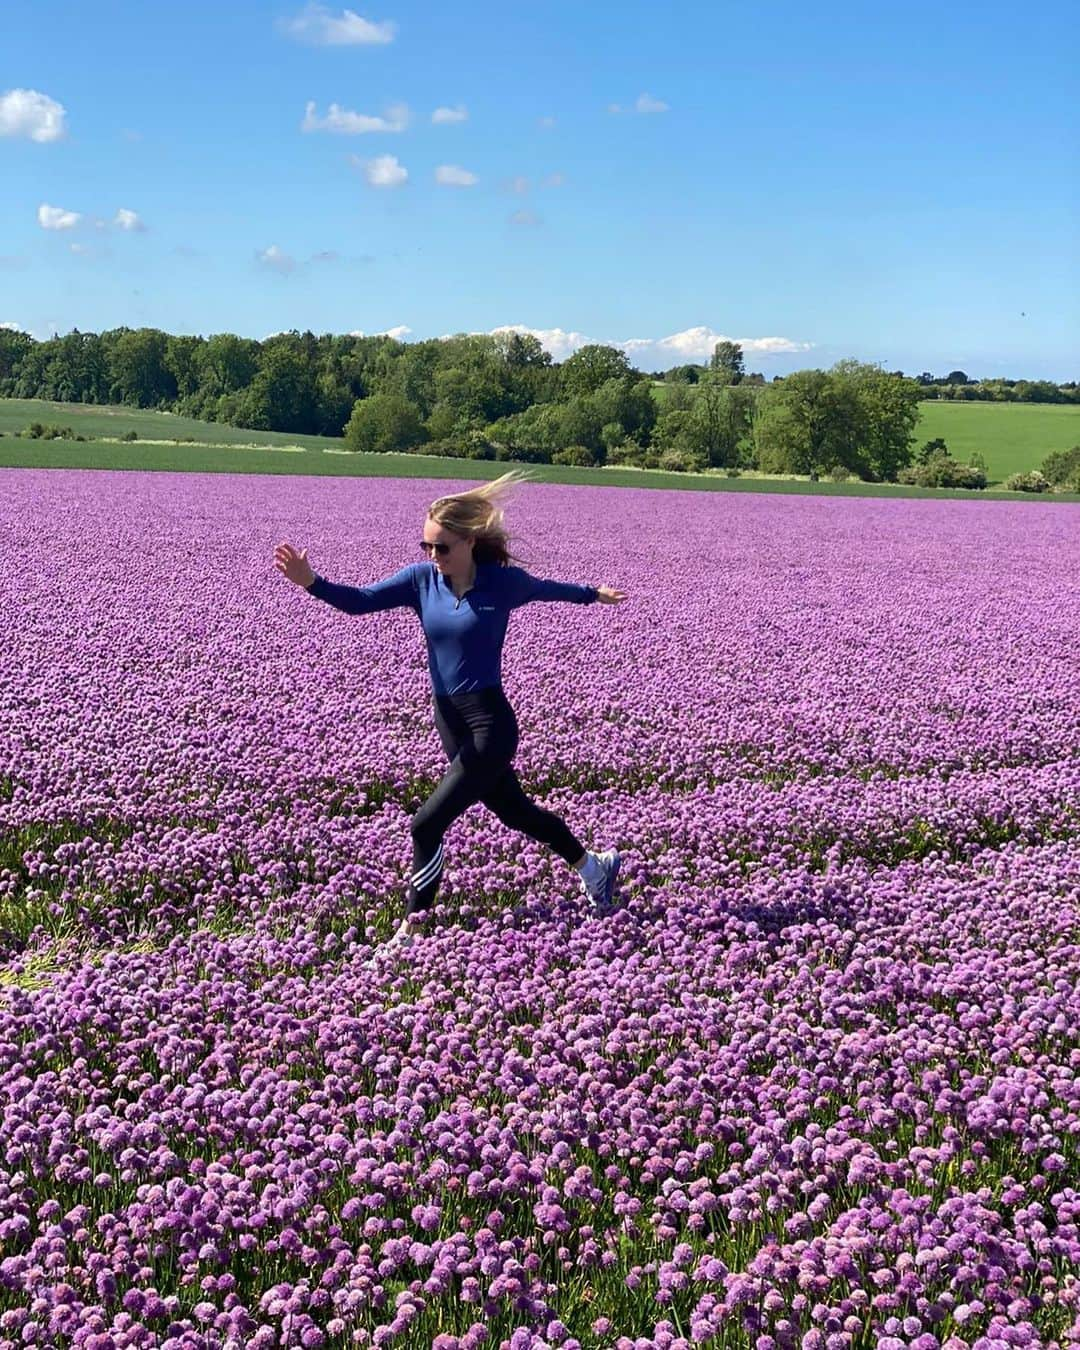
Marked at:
<point>205,445</point>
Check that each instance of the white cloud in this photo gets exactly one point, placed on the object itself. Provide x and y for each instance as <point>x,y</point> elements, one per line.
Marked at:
<point>25,112</point>
<point>520,185</point>
<point>645,103</point>
<point>328,255</point>
<point>692,344</point>
<point>524,218</point>
<point>447,116</point>
<point>15,327</point>
<point>128,220</point>
<point>696,344</point>
<point>545,123</point>
<point>553,180</point>
<point>450,175</point>
<point>398,333</point>
<point>384,171</point>
<point>80,248</point>
<point>316,25</point>
<point>56,218</point>
<point>348,123</point>
<point>276,259</point>
<point>557,341</point>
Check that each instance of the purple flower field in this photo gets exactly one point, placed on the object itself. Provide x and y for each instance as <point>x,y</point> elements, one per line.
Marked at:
<point>815,1081</point>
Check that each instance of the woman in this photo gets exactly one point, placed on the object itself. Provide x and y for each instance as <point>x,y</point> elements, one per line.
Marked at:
<point>463,597</point>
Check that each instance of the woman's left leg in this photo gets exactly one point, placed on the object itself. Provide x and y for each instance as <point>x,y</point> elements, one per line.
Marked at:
<point>507,799</point>
<point>479,735</point>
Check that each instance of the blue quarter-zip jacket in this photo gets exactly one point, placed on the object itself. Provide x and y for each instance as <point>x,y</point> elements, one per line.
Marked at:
<point>464,637</point>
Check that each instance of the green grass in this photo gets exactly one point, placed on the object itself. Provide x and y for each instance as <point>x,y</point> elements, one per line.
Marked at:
<point>1011,437</point>
<point>222,449</point>
<point>88,419</point>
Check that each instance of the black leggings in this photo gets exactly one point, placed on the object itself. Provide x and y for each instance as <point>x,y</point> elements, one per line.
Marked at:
<point>479,733</point>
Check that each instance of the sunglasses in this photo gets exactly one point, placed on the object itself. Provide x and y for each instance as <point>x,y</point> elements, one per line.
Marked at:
<point>441,549</point>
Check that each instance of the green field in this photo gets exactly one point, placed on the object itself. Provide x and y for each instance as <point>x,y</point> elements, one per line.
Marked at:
<point>1012,437</point>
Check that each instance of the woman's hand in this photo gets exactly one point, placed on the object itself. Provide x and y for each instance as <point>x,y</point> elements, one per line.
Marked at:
<point>293,565</point>
<point>607,595</point>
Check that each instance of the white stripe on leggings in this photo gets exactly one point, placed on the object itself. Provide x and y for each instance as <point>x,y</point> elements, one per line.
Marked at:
<point>420,879</point>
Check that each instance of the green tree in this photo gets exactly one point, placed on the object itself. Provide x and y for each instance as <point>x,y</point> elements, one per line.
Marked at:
<point>727,362</point>
<point>715,431</point>
<point>809,423</point>
<point>182,363</point>
<point>889,406</point>
<point>931,450</point>
<point>14,346</point>
<point>627,401</point>
<point>688,374</point>
<point>227,364</point>
<point>383,423</point>
<point>521,350</point>
<point>138,369</point>
<point>1062,468</point>
<point>591,366</point>
<point>282,395</point>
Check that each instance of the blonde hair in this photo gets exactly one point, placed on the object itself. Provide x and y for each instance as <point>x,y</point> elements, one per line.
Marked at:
<point>478,514</point>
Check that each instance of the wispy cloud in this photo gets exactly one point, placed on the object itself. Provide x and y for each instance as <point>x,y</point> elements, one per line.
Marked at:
<point>316,25</point>
<point>276,260</point>
<point>128,220</point>
<point>524,218</point>
<point>520,185</point>
<point>644,103</point>
<point>545,123</point>
<point>28,113</point>
<point>348,123</point>
<point>553,180</point>
<point>452,175</point>
<point>56,218</point>
<point>447,116</point>
<point>384,171</point>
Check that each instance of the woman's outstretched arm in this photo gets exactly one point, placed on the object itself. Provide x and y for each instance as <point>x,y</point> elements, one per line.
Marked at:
<point>390,593</point>
<point>525,588</point>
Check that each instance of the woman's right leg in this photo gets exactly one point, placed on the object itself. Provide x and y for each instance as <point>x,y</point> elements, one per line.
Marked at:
<point>470,776</point>
<point>507,800</point>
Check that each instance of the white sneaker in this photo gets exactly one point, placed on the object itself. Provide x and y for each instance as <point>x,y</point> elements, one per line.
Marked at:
<point>603,892</point>
<point>398,941</point>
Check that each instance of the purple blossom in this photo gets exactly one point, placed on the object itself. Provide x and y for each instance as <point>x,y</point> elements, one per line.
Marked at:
<point>813,1082</point>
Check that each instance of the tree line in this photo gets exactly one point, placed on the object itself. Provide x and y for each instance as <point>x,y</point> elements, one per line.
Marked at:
<point>491,397</point>
<point>957,384</point>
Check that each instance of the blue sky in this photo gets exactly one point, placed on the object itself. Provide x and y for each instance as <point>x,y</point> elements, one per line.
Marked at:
<point>898,183</point>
